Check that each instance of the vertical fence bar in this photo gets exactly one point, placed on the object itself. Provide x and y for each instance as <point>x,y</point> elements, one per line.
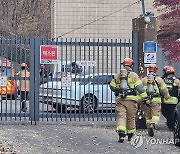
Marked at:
<point>104,81</point>
<point>1,64</point>
<point>75,108</point>
<point>62,51</point>
<point>129,48</point>
<point>88,67</point>
<point>16,62</point>
<point>70,114</point>
<point>5,56</point>
<point>98,74</point>
<point>42,90</point>
<point>15,94</point>
<point>66,46</point>
<point>36,81</point>
<point>57,88</point>
<point>125,51</point>
<point>20,59</point>
<point>80,101</point>
<point>102,88</point>
<point>124,54</point>
<point>32,78</point>
<point>84,56</point>
<point>93,72</point>
<point>116,56</point>
<point>111,74</point>
<point>135,53</point>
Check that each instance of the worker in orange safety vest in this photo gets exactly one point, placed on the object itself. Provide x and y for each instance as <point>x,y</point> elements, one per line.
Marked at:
<point>23,85</point>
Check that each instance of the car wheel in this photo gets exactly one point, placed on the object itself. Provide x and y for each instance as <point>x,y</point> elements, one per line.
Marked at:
<point>88,103</point>
<point>59,108</point>
<point>176,132</point>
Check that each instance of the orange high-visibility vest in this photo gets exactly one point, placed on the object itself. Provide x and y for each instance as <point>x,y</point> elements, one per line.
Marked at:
<point>24,83</point>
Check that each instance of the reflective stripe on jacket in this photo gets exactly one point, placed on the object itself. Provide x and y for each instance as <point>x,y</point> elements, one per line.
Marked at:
<point>173,99</point>
<point>133,82</point>
<point>159,87</point>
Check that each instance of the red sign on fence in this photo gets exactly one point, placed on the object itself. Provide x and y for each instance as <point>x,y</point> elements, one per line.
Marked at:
<point>48,54</point>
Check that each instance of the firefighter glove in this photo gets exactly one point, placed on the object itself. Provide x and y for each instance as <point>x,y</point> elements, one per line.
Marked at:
<point>116,93</point>
<point>147,101</point>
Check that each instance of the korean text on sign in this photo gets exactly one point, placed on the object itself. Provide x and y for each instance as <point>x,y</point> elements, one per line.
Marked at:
<point>48,54</point>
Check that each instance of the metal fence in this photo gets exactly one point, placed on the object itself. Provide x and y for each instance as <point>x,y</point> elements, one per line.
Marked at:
<point>75,88</point>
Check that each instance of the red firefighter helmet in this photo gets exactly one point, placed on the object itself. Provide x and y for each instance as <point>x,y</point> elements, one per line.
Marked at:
<point>168,69</point>
<point>127,62</point>
<point>24,65</point>
<point>152,68</point>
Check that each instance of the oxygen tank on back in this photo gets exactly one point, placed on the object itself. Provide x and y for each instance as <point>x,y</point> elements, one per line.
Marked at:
<point>123,82</point>
<point>150,84</point>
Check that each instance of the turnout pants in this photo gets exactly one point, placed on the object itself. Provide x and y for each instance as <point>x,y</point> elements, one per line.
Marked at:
<point>168,112</point>
<point>126,112</point>
<point>152,113</point>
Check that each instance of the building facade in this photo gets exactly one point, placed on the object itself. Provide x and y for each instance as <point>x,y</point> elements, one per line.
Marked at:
<point>96,18</point>
<point>104,19</point>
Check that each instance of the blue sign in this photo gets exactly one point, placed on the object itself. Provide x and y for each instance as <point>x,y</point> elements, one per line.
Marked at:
<point>149,46</point>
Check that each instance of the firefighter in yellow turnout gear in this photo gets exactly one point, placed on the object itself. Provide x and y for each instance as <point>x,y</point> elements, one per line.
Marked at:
<point>154,86</point>
<point>125,85</point>
<point>173,85</point>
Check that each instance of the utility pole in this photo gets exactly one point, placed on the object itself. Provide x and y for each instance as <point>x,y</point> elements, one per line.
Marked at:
<point>144,29</point>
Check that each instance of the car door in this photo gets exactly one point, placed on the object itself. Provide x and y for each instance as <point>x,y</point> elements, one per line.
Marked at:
<point>100,88</point>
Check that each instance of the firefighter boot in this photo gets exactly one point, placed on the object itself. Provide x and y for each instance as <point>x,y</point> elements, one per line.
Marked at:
<point>151,130</point>
<point>121,136</point>
<point>130,135</point>
<point>24,108</point>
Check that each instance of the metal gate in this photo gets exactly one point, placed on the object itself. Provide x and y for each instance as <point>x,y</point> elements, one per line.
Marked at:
<point>75,88</point>
<point>13,53</point>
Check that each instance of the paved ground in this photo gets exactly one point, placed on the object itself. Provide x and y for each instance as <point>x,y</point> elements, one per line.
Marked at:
<point>77,138</point>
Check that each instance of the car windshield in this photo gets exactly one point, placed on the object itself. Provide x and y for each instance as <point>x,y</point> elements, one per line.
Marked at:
<point>5,71</point>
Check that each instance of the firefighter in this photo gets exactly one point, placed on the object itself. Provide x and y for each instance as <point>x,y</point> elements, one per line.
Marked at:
<point>125,85</point>
<point>23,85</point>
<point>173,85</point>
<point>154,86</point>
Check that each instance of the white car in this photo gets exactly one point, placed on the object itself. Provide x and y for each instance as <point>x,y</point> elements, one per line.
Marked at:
<point>86,93</point>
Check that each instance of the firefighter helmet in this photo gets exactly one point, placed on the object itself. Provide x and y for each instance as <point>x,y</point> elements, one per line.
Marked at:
<point>127,62</point>
<point>168,69</point>
<point>24,65</point>
<point>152,68</point>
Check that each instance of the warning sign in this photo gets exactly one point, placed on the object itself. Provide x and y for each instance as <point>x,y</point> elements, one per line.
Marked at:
<point>87,63</point>
<point>149,58</point>
<point>3,80</point>
<point>66,81</point>
<point>48,54</point>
